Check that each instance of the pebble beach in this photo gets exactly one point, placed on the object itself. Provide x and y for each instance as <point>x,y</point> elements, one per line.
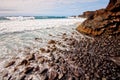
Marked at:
<point>58,53</point>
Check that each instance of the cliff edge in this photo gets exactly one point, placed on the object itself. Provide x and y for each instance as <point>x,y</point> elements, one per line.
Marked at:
<point>103,21</point>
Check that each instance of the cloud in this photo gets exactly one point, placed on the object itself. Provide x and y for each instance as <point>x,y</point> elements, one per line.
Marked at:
<point>35,6</point>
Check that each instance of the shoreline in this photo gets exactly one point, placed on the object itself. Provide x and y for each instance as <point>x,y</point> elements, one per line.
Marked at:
<point>73,56</point>
<point>60,54</point>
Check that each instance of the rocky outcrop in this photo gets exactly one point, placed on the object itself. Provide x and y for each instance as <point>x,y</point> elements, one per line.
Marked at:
<point>103,21</point>
<point>87,14</point>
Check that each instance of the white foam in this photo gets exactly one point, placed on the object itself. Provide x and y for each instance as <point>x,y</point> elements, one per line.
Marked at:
<point>17,26</point>
<point>12,44</point>
<point>20,18</point>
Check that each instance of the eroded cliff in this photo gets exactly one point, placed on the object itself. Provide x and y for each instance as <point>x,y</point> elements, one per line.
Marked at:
<point>103,21</point>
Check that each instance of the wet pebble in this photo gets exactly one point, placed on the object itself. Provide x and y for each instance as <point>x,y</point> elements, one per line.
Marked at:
<point>43,70</point>
<point>53,75</point>
<point>52,42</point>
<point>28,70</point>
<point>9,64</point>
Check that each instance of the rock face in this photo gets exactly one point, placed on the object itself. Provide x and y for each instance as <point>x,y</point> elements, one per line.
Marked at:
<point>103,21</point>
<point>87,14</point>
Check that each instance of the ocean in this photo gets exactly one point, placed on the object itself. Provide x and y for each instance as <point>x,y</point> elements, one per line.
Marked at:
<point>19,33</point>
<point>30,17</point>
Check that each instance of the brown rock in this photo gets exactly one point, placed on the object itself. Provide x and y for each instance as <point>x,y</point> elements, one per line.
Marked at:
<point>113,5</point>
<point>28,70</point>
<point>50,34</point>
<point>44,70</point>
<point>71,78</point>
<point>52,42</point>
<point>9,64</point>
<point>41,60</point>
<point>23,62</point>
<point>60,75</point>
<point>53,75</point>
<point>116,60</point>
<point>103,21</point>
<point>5,73</point>
<point>104,79</point>
<point>42,50</point>
<point>37,38</point>
<point>88,14</point>
<point>48,50</point>
<point>31,57</point>
<point>36,68</point>
<point>22,77</point>
<point>44,77</point>
<point>76,73</point>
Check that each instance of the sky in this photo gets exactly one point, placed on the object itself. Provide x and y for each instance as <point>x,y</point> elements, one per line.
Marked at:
<point>49,7</point>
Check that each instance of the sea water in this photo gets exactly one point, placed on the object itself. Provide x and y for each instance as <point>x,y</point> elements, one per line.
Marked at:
<point>17,34</point>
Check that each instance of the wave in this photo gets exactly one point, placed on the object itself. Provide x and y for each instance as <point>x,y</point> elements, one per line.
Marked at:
<point>19,26</point>
<point>50,17</point>
<point>17,18</point>
<point>20,18</point>
<point>3,18</point>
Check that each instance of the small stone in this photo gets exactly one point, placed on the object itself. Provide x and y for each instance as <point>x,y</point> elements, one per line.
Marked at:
<point>41,60</point>
<point>22,77</point>
<point>51,64</point>
<point>24,62</point>
<point>65,39</point>
<point>64,33</point>
<point>36,38</point>
<point>42,50</point>
<point>96,75</point>
<point>44,77</point>
<point>96,65</point>
<point>31,57</point>
<point>9,64</point>
<point>71,78</point>
<point>87,77</point>
<point>53,75</point>
<point>9,78</point>
<point>44,70</point>
<point>37,68</point>
<point>50,34</point>
<point>76,73</point>
<point>52,42</point>
<point>48,50</point>
<point>28,70</point>
<point>116,60</point>
<point>30,78</point>
<point>54,49</point>
<point>104,79</point>
<point>5,73</point>
<point>60,75</point>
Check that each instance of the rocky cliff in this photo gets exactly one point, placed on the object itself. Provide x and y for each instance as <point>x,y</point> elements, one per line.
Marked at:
<point>103,21</point>
<point>87,14</point>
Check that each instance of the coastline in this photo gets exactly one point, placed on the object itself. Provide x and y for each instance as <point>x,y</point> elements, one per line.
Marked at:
<point>78,47</point>
<point>66,55</point>
<point>19,45</point>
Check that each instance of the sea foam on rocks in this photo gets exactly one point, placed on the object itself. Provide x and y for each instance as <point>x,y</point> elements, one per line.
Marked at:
<point>18,37</point>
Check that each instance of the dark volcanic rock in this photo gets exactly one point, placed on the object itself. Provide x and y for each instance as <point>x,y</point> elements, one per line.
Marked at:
<point>103,21</point>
